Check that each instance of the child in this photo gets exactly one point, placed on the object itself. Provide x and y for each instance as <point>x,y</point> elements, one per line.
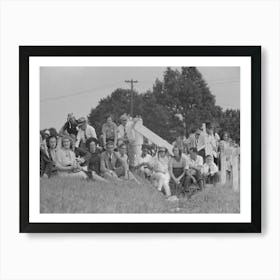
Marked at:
<point>210,171</point>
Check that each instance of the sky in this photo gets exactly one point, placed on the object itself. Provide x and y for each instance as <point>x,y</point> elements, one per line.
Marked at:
<point>76,90</point>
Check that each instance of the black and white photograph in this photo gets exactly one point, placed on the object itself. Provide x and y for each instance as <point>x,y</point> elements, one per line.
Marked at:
<point>139,139</point>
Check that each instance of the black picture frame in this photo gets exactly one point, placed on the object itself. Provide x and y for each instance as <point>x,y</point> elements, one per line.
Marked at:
<point>25,52</point>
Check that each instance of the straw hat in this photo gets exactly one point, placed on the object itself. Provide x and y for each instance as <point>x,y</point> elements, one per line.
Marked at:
<point>123,117</point>
<point>162,149</point>
<point>81,121</point>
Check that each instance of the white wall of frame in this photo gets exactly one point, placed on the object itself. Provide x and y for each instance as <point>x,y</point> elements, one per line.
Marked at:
<point>149,256</point>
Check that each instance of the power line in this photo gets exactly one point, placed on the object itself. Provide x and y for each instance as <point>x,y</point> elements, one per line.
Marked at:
<point>212,82</point>
<point>224,82</point>
<point>78,93</point>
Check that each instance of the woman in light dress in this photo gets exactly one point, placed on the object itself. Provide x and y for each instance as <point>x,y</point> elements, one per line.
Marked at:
<point>161,176</point>
<point>66,162</point>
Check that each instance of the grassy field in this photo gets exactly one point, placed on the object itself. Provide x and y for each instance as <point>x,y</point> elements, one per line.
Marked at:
<point>63,195</point>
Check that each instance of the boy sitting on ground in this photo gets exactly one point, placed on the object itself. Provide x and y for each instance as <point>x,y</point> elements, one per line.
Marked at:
<point>111,165</point>
<point>210,171</point>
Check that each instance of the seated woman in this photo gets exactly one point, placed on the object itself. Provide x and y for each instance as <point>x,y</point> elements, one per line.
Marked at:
<point>47,157</point>
<point>52,150</point>
<point>92,160</point>
<point>109,131</point>
<point>161,175</point>
<point>52,147</point>
<point>66,162</point>
<point>177,170</point>
<point>123,156</point>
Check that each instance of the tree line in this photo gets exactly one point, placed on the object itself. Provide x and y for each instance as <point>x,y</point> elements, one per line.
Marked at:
<point>181,102</point>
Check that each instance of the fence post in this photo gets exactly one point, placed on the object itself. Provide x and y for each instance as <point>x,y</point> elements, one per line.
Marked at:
<point>235,171</point>
<point>204,128</point>
<point>223,167</point>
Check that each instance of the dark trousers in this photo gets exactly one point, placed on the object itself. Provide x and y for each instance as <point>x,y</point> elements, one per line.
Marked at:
<point>198,177</point>
<point>212,179</point>
<point>47,166</point>
<point>177,189</point>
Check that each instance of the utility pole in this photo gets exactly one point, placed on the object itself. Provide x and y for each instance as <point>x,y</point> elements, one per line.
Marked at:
<point>131,95</point>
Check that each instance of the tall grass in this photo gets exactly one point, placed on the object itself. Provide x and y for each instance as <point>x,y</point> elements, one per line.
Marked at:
<point>64,195</point>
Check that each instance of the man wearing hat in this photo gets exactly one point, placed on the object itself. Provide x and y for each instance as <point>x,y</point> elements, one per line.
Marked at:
<point>111,165</point>
<point>127,135</point>
<point>85,131</point>
<point>124,129</point>
<point>193,139</point>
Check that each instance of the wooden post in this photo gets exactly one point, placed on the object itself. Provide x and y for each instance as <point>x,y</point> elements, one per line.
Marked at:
<point>201,139</point>
<point>204,128</point>
<point>235,171</point>
<point>138,141</point>
<point>223,167</point>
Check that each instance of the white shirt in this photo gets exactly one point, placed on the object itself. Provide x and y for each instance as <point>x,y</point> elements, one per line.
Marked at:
<point>83,135</point>
<point>146,159</point>
<point>209,168</point>
<point>126,132</point>
<point>210,145</point>
<point>194,163</point>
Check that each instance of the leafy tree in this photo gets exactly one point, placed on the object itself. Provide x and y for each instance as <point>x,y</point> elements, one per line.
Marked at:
<point>230,122</point>
<point>115,104</point>
<point>186,94</point>
<point>182,100</point>
<point>157,117</point>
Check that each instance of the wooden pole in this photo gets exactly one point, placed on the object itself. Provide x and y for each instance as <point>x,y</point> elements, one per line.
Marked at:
<point>235,171</point>
<point>223,167</point>
<point>132,82</point>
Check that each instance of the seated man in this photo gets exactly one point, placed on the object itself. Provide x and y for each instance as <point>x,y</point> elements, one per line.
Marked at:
<point>194,168</point>
<point>111,164</point>
<point>143,162</point>
<point>210,171</point>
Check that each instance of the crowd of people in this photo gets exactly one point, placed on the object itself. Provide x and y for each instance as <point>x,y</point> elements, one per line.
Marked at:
<point>77,151</point>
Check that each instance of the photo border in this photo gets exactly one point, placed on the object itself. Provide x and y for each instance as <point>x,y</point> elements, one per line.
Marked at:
<point>250,51</point>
